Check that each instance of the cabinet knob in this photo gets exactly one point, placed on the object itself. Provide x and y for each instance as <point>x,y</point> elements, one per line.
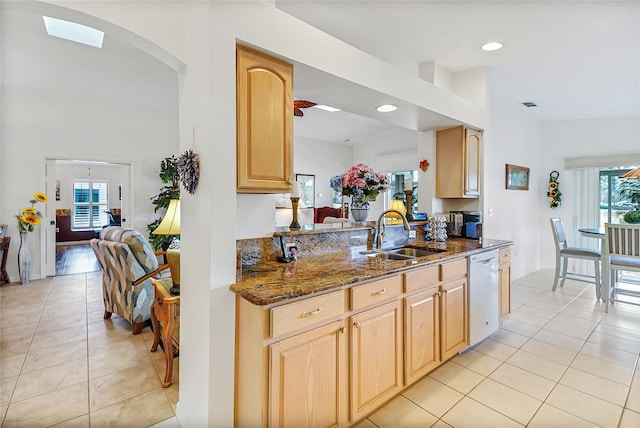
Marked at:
<point>439,293</point>
<point>357,324</point>
<point>308,314</point>
<point>342,329</point>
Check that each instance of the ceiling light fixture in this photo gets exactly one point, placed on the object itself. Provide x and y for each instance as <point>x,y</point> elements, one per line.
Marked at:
<point>73,31</point>
<point>491,46</point>
<point>529,104</point>
<point>327,108</point>
<point>386,108</point>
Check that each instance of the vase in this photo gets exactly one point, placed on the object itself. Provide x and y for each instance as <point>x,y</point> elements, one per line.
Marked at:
<point>24,259</point>
<point>359,209</point>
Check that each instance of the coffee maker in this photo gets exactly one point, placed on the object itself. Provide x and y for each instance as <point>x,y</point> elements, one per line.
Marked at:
<point>465,224</point>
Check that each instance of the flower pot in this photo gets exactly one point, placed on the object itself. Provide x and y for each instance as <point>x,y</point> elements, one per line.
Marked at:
<point>24,259</point>
<point>359,210</point>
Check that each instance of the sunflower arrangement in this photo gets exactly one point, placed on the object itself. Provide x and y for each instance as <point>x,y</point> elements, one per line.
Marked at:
<point>30,217</point>
<point>554,190</point>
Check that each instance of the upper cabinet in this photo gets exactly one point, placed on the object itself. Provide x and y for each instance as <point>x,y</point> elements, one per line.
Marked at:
<point>458,163</point>
<point>264,99</point>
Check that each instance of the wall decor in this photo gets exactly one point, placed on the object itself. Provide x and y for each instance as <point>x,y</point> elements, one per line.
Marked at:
<point>424,164</point>
<point>189,170</point>
<point>554,190</point>
<point>516,177</point>
<point>307,189</point>
<point>57,190</point>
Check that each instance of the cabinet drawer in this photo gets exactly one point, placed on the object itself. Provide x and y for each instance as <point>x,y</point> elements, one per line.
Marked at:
<point>420,279</point>
<point>453,269</point>
<point>375,292</point>
<point>505,255</point>
<point>306,312</point>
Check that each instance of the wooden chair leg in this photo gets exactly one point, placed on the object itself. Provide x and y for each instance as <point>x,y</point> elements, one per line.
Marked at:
<point>107,315</point>
<point>156,329</point>
<point>137,327</point>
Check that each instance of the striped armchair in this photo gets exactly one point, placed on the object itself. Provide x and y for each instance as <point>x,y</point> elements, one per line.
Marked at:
<point>128,264</point>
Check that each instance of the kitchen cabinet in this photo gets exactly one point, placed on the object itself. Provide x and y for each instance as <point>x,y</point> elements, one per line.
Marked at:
<point>264,104</point>
<point>458,162</point>
<point>454,321</point>
<point>504,283</point>
<point>376,357</point>
<point>307,384</point>
<point>422,334</point>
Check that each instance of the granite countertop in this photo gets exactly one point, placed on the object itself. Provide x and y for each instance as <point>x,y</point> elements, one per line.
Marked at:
<point>272,282</point>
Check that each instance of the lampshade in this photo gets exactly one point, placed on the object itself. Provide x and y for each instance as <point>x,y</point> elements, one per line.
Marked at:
<point>170,224</point>
<point>397,205</point>
<point>634,173</point>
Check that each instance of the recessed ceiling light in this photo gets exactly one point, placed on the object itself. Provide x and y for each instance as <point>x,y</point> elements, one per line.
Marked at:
<point>73,31</point>
<point>327,108</point>
<point>491,46</point>
<point>386,108</point>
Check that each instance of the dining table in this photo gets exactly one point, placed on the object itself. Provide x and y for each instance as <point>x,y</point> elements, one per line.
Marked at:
<point>592,232</point>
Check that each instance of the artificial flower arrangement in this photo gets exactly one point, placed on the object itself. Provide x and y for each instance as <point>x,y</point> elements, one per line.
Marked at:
<point>554,190</point>
<point>360,180</point>
<point>30,216</point>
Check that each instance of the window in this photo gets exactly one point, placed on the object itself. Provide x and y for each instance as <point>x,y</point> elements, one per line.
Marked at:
<point>90,204</point>
<point>617,195</point>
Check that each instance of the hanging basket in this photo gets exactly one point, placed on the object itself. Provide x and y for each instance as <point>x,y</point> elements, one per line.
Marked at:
<point>553,191</point>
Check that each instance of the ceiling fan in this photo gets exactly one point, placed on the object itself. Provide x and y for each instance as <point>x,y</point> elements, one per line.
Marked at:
<point>299,104</point>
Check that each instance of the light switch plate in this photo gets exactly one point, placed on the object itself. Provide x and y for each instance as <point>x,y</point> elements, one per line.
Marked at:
<point>412,233</point>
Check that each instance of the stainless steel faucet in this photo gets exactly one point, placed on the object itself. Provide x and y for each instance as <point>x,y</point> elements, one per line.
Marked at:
<point>380,234</point>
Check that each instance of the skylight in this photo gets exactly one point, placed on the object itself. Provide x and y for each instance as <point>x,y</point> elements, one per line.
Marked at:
<point>73,31</point>
<point>327,108</point>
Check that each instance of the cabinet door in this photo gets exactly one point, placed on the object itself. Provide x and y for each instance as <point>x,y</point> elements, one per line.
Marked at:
<point>453,319</point>
<point>504,281</point>
<point>472,163</point>
<point>307,379</point>
<point>422,334</point>
<point>376,357</point>
<point>264,98</point>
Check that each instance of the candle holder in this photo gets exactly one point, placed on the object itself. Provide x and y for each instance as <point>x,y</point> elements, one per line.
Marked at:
<point>409,195</point>
<point>294,204</point>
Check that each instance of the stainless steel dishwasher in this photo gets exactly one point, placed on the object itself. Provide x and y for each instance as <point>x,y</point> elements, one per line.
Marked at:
<point>484,314</point>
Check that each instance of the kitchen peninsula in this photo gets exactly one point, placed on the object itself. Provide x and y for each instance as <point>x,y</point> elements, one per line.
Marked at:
<point>329,338</point>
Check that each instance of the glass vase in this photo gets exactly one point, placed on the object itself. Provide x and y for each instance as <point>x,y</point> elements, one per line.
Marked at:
<point>24,259</point>
<point>359,209</point>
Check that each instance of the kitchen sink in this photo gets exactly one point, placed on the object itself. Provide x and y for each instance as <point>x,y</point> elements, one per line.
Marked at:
<point>388,256</point>
<point>413,252</point>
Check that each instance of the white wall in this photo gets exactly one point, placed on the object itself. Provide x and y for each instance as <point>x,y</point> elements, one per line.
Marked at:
<point>578,138</point>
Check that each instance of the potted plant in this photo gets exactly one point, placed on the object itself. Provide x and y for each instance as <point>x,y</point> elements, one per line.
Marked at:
<point>171,190</point>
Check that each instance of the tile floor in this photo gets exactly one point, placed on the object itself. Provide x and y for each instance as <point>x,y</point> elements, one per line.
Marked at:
<point>558,361</point>
<point>61,363</point>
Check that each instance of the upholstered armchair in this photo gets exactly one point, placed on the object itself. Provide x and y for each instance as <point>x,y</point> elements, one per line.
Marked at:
<point>128,265</point>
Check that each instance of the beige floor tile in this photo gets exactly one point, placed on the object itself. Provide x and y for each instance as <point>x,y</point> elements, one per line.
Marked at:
<point>630,419</point>
<point>11,366</point>
<point>172,391</point>
<point>58,311</point>
<point>79,422</point>
<point>129,354</point>
<point>585,406</point>
<point>615,342</point>
<point>584,314</point>
<point>518,327</point>
<point>507,401</point>
<point>612,330</point>
<point>633,400</point>
<point>103,344</point>
<point>569,320</point>
<point>401,412</point>
<point>173,423</point>
<point>49,339</point>
<point>60,323</point>
<point>604,352</point>
<point>139,411</point>
<point>457,377</point>
<point>7,386</point>
<point>537,365</point>
<point>605,369</point>
<point>528,319</point>
<point>477,361</point>
<point>115,387</point>
<point>495,349</point>
<point>470,413</point>
<point>509,338</point>
<point>3,412</point>
<point>441,424</point>
<point>11,348</point>
<point>54,355</point>
<point>50,379</point>
<point>433,396</point>
<point>18,332</point>
<point>49,409</point>
<point>549,351</point>
<point>538,312</point>
<point>524,381</point>
<point>613,392</point>
<point>559,339</point>
<point>11,317</point>
<point>551,417</point>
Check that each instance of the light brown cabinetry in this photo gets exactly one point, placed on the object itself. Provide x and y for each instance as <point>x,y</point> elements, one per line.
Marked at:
<point>458,162</point>
<point>264,104</point>
<point>504,283</point>
<point>307,384</point>
<point>376,357</point>
<point>454,321</point>
<point>422,334</point>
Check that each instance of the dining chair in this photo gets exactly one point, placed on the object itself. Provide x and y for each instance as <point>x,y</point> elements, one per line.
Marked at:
<point>564,253</point>
<point>620,252</point>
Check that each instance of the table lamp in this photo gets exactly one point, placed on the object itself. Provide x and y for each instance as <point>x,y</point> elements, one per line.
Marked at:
<point>397,205</point>
<point>170,226</point>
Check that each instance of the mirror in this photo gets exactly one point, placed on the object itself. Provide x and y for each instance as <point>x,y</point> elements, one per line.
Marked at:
<point>307,189</point>
<point>399,183</point>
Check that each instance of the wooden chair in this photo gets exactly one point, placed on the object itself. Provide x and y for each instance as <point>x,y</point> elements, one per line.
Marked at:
<point>564,253</point>
<point>620,252</point>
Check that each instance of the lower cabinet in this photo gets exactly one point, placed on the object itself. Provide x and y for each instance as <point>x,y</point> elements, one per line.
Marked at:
<point>422,334</point>
<point>504,283</point>
<point>454,318</point>
<point>307,384</point>
<point>376,357</point>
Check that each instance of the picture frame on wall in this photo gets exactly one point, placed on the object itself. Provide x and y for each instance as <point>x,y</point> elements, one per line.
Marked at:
<point>516,177</point>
